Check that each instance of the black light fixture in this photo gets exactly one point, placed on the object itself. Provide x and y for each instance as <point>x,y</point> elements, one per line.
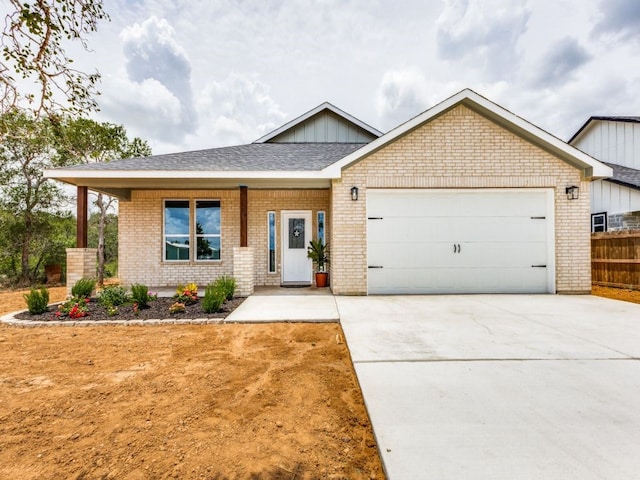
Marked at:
<point>573,192</point>
<point>354,193</point>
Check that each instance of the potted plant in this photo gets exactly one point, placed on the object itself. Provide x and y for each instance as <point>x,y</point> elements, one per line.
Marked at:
<point>318,252</point>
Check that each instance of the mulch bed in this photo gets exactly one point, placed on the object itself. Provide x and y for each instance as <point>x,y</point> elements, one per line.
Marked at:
<point>158,309</point>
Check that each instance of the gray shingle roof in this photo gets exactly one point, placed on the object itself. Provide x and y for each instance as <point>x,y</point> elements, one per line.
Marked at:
<point>629,177</point>
<point>251,157</point>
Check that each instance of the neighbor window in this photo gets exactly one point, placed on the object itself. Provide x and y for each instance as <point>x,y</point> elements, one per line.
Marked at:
<point>321,227</point>
<point>599,222</point>
<point>179,236</point>
<point>176,230</point>
<point>271,240</point>
<point>207,229</point>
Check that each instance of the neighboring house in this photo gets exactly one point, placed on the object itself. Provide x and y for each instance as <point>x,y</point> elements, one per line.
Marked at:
<point>615,141</point>
<point>464,198</point>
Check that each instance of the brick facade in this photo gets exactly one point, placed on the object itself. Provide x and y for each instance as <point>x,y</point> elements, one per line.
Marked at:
<point>459,149</point>
<point>141,223</point>
<point>81,263</point>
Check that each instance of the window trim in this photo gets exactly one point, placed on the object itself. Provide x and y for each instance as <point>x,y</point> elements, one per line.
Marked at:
<point>272,267</point>
<point>203,235</point>
<point>604,223</point>
<point>164,229</point>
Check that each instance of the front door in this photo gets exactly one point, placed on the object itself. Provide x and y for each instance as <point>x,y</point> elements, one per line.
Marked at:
<point>296,235</point>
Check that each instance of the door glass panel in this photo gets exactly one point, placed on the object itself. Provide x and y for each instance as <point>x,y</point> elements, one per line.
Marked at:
<point>296,233</point>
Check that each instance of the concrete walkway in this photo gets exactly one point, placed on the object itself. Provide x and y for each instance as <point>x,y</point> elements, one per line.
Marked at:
<point>499,387</point>
<point>275,304</point>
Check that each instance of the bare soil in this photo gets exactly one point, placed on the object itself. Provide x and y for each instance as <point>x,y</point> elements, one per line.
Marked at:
<point>274,401</point>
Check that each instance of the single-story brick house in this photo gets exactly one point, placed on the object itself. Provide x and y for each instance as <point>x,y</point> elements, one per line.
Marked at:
<point>464,198</point>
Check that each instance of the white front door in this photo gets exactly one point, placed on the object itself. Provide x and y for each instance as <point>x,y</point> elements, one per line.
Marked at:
<point>296,235</point>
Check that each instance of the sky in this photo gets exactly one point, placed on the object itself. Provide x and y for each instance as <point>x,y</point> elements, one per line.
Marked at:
<point>187,75</point>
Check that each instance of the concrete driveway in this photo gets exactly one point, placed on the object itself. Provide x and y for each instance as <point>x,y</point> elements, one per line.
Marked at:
<point>499,387</point>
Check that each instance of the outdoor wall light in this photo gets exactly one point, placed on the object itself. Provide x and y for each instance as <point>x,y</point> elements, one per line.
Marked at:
<point>354,193</point>
<point>573,192</point>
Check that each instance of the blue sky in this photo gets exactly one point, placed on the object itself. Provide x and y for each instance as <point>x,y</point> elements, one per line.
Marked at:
<point>194,74</point>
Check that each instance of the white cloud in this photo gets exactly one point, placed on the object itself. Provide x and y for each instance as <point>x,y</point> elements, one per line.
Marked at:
<point>153,53</point>
<point>484,35</point>
<point>235,110</point>
<point>560,63</point>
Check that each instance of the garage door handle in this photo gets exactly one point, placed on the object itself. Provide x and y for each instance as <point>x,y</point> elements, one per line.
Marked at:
<point>538,266</point>
<point>375,266</point>
<point>456,248</point>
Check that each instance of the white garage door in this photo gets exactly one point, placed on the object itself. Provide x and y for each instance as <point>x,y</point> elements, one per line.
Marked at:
<point>460,241</point>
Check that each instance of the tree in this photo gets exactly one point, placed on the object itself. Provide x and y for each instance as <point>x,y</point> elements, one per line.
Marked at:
<point>28,147</point>
<point>32,45</point>
<point>81,140</point>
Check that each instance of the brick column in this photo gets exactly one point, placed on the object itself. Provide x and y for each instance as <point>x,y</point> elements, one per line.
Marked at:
<point>243,270</point>
<point>81,263</point>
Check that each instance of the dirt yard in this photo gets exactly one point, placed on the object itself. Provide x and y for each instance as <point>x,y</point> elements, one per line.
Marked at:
<point>266,402</point>
<point>277,401</point>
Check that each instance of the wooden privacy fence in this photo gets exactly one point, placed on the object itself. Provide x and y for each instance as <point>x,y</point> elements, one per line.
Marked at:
<point>615,259</point>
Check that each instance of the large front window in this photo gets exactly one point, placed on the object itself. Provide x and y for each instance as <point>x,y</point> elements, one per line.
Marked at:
<point>179,235</point>
<point>176,230</point>
<point>208,229</point>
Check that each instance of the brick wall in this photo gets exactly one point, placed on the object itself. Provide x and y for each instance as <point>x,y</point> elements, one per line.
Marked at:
<point>140,233</point>
<point>81,263</point>
<point>459,149</point>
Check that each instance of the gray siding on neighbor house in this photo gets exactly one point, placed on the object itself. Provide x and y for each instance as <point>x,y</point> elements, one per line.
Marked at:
<point>325,127</point>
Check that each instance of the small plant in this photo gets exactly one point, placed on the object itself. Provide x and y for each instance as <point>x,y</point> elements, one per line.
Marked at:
<point>214,297</point>
<point>227,284</point>
<point>318,252</point>
<point>140,295</point>
<point>113,295</point>
<point>136,309</point>
<point>37,301</point>
<point>187,295</point>
<point>83,288</point>
<point>111,310</point>
<point>75,307</point>
<point>177,307</point>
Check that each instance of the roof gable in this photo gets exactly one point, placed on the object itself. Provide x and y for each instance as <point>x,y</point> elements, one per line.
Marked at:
<point>324,124</point>
<point>591,168</point>
<point>623,119</point>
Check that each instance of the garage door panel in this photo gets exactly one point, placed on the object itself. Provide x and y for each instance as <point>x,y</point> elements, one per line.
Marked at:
<point>465,241</point>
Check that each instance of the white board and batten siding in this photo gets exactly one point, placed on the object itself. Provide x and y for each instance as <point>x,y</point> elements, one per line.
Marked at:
<point>611,141</point>
<point>460,241</point>
<point>615,142</point>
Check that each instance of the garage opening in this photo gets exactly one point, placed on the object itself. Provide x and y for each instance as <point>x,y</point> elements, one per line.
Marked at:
<point>460,241</point>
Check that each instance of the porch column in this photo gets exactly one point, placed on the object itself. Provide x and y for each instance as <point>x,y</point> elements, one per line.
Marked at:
<point>81,263</point>
<point>244,237</point>
<point>81,217</point>
<point>244,270</point>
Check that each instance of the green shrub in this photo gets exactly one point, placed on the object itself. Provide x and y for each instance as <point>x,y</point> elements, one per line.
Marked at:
<point>227,284</point>
<point>37,301</point>
<point>113,295</point>
<point>214,297</point>
<point>140,295</point>
<point>83,288</point>
<point>75,307</point>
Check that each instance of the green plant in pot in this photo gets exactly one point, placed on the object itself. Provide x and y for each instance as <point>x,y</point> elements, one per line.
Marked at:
<point>318,252</point>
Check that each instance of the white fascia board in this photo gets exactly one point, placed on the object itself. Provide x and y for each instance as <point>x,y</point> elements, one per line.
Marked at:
<point>592,168</point>
<point>182,174</point>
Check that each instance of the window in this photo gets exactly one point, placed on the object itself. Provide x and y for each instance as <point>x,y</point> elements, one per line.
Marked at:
<point>176,230</point>
<point>178,236</point>
<point>271,229</point>
<point>321,227</point>
<point>599,222</point>
<point>208,229</point>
